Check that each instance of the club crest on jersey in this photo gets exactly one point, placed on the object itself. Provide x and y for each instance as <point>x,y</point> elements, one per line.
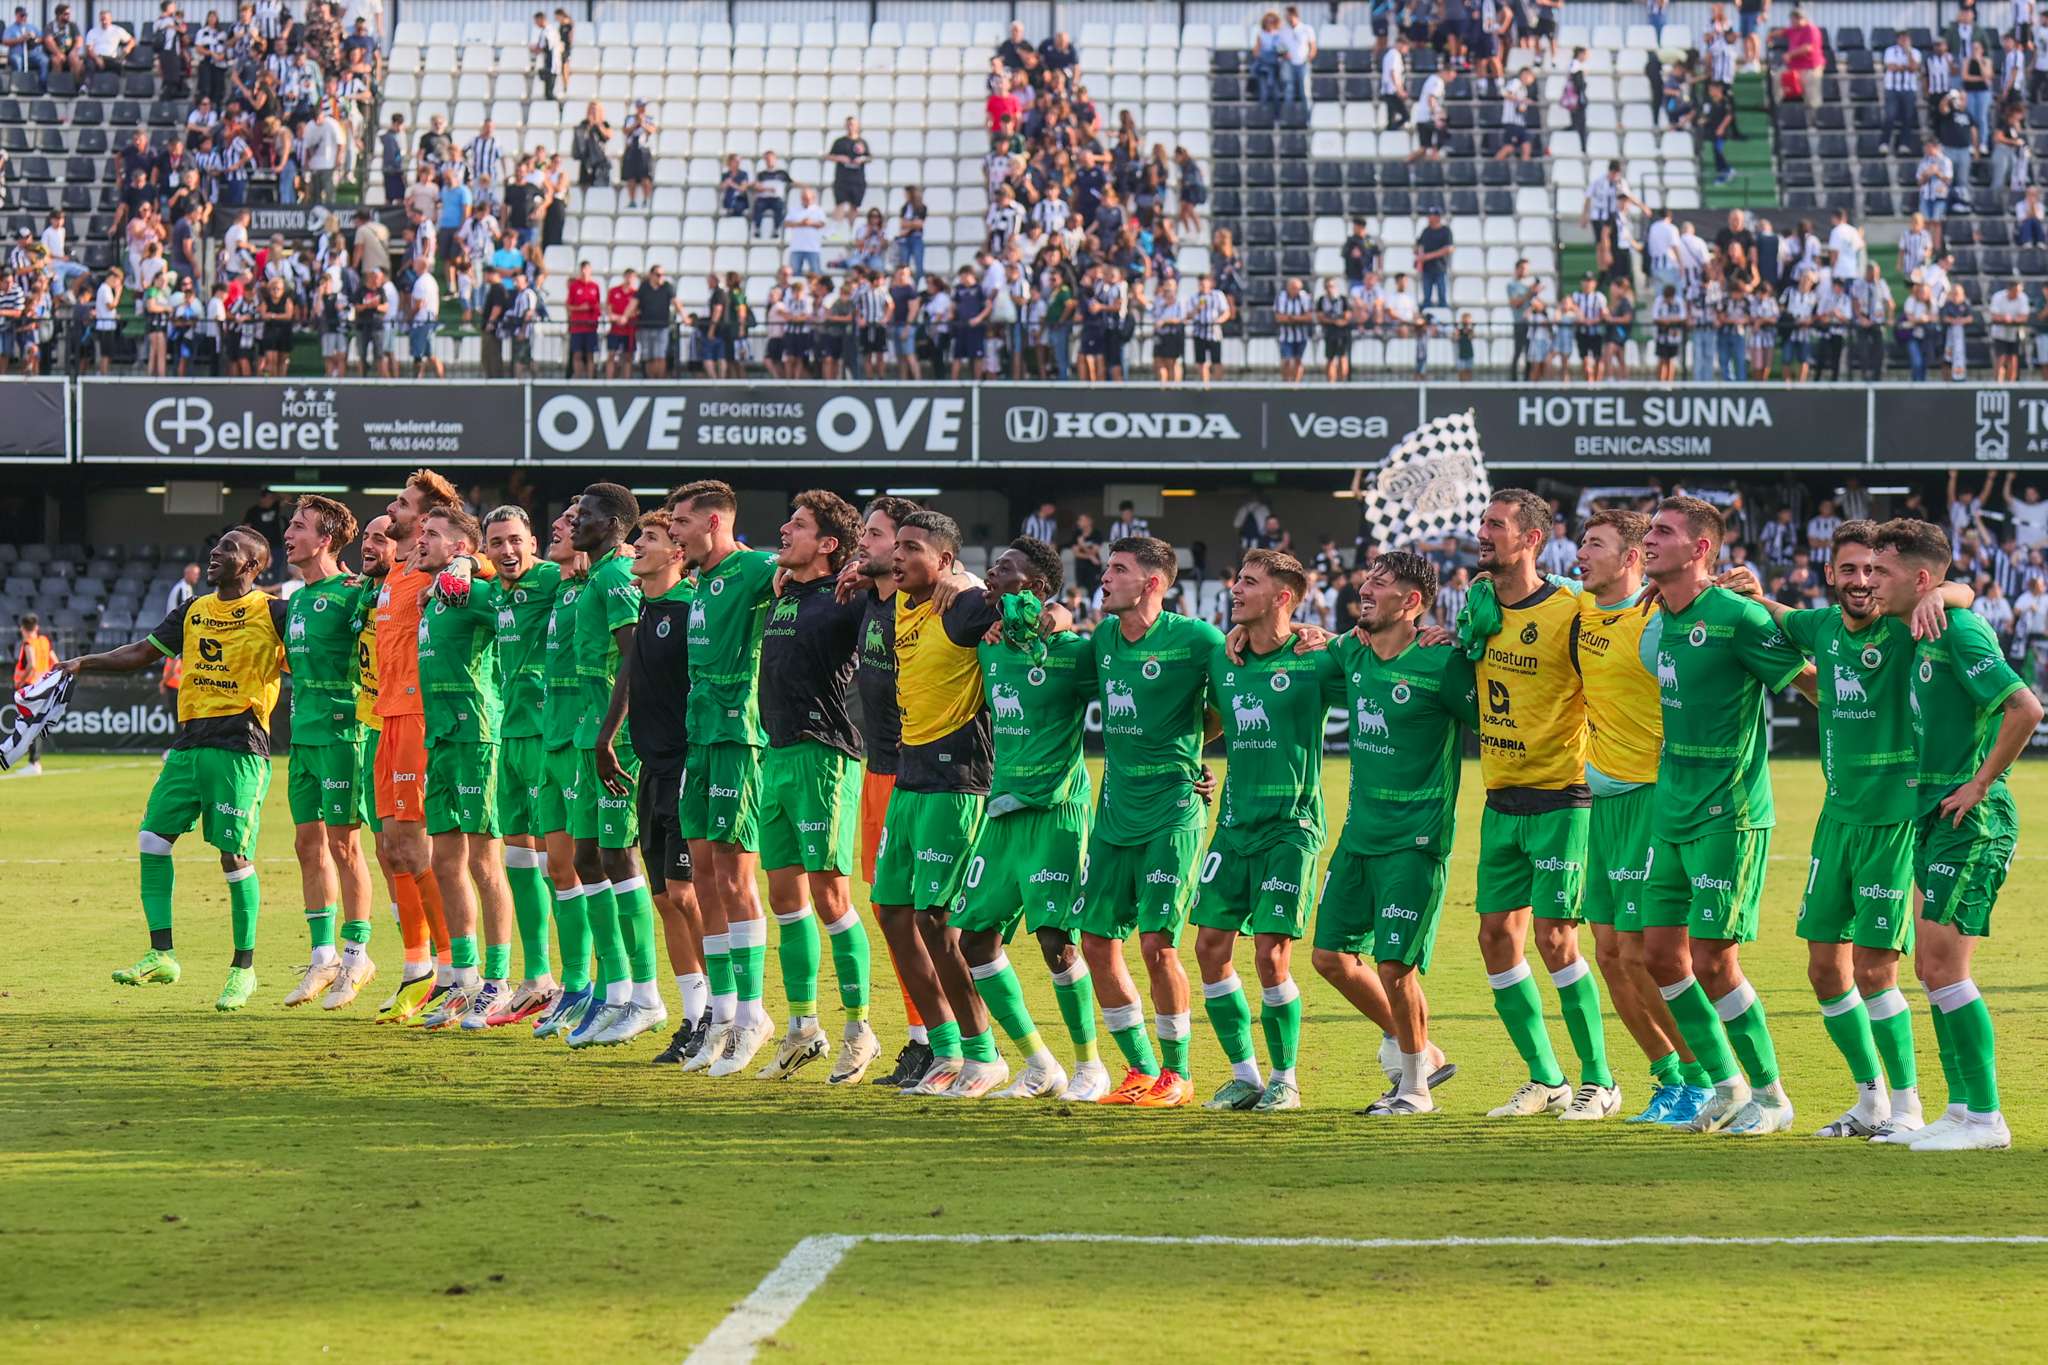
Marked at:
<point>319,604</point>
<point>1872,656</point>
<point>1926,670</point>
<point>661,628</point>
<point>1698,636</point>
<point>1279,682</point>
<point>1400,694</point>
<point>717,586</point>
<point>1036,677</point>
<point>1529,633</point>
<point>1150,670</point>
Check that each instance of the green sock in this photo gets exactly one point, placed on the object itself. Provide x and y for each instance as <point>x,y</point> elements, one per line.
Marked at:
<point>749,958</point>
<point>796,948</point>
<point>1000,990</point>
<point>1578,999</point>
<point>1280,1021</point>
<point>1127,1028</point>
<point>1521,1009</point>
<point>1076,997</point>
<point>944,1039</point>
<point>1694,1074</point>
<point>979,1047</point>
<point>602,903</point>
<point>497,961</point>
<point>1891,1027</point>
<point>462,950</point>
<point>572,919</point>
<point>531,895</point>
<point>1951,1061</point>
<point>1703,1034</point>
<point>718,966</point>
<point>1668,1070</point>
<point>848,938</point>
<point>1231,1016</point>
<point>1173,1052</point>
<point>245,903</point>
<point>636,927</point>
<point>1976,1052</point>
<point>1749,1034</point>
<point>320,926</point>
<point>1847,1021</point>
<point>159,876</point>
<point>355,931</point>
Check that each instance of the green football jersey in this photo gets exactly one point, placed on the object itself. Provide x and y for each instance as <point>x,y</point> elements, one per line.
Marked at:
<point>1153,693</point>
<point>1274,706</point>
<point>1713,663</point>
<point>610,599</point>
<point>1866,718</point>
<point>459,666</point>
<point>1038,711</point>
<point>1959,683</point>
<point>320,645</point>
<point>562,703</point>
<point>1406,753</point>
<point>523,609</point>
<point>725,648</point>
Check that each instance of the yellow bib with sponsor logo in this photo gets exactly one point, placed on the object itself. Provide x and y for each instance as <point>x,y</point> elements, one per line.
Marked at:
<point>1532,706</point>
<point>1624,714</point>
<point>233,658</point>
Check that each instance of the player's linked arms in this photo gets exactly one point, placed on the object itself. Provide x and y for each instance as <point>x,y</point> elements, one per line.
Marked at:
<point>1431,636</point>
<point>1308,639</point>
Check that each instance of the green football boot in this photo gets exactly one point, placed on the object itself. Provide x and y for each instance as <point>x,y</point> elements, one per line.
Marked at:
<point>240,986</point>
<point>154,968</point>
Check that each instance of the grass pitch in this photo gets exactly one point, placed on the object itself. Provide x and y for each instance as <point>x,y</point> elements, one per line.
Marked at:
<point>280,1185</point>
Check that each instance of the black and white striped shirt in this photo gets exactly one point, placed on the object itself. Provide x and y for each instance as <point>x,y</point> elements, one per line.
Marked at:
<point>1603,199</point>
<point>11,300</point>
<point>1050,213</point>
<point>1109,299</point>
<point>270,18</point>
<point>872,302</point>
<point>1721,57</point>
<point>1169,317</point>
<point>1334,310</point>
<point>483,159</point>
<point>1941,73</point>
<point>1899,73</point>
<point>1005,220</point>
<point>1591,307</point>
<point>1291,314</point>
<point>1207,315</point>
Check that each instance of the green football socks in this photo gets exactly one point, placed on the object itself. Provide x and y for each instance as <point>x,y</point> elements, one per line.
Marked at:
<point>1173,1041</point>
<point>320,927</point>
<point>850,962</point>
<point>1749,1034</point>
<point>1521,1010</point>
<point>796,948</point>
<point>1231,1016</point>
<point>945,1040</point>
<point>159,878</point>
<point>1578,999</point>
<point>1976,1051</point>
<point>530,899</point>
<point>1847,1021</point>
<point>996,982</point>
<point>635,905</point>
<point>1126,1024</point>
<point>1702,1031</point>
<point>1280,1020</point>
<point>749,939</point>
<point>1951,1062</point>
<point>245,904</point>
<point>572,920</point>
<point>979,1047</point>
<point>1667,1070</point>
<point>602,905</point>
<point>1074,989</point>
<point>462,950</point>
<point>1891,1027</point>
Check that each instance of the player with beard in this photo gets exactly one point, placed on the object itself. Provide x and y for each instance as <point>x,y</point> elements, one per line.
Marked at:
<point>1715,657</point>
<point>526,595</point>
<point>657,713</point>
<point>231,641</point>
<point>561,709</point>
<point>605,819</point>
<point>325,779</point>
<point>810,784</point>
<point>400,774</point>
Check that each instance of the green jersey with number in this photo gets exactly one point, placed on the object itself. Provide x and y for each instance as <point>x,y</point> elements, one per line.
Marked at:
<point>523,609</point>
<point>1959,683</point>
<point>1273,707</point>
<point>1037,712</point>
<point>1866,721</point>
<point>562,702</point>
<point>459,665</point>
<point>610,599</point>
<point>725,648</point>
<point>1154,691</point>
<point>320,645</point>
<point>1406,761</point>
<point>1714,662</point>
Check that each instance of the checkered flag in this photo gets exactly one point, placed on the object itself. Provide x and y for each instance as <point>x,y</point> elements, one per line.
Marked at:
<point>1433,484</point>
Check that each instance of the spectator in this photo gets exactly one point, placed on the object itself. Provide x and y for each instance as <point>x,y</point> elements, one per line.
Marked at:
<point>64,44</point>
<point>732,188</point>
<point>1430,119</point>
<point>1997,612</point>
<point>1820,532</point>
<point>24,44</point>
<point>1560,554</point>
<point>653,319</point>
<point>1517,113</point>
<point>636,165</point>
<point>1394,82</point>
<point>622,311</point>
<point>1193,191</point>
<point>1805,58</point>
<point>592,148</point>
<point>34,656</point>
<point>1433,259</point>
<point>423,319</point>
<point>1297,50</point>
<point>2008,311</point>
<point>1266,59</point>
<point>770,190</point>
<point>850,156</point>
<point>107,45</point>
<point>805,231</point>
<point>544,55</point>
<point>1128,523</point>
<point>586,309</point>
<point>1043,524</point>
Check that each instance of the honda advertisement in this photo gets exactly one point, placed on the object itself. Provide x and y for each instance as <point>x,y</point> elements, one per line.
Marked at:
<point>745,425</point>
<point>32,425</point>
<point>330,421</point>
<point>1147,427</point>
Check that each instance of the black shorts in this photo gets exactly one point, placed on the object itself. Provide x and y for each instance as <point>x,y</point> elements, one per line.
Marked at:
<point>1667,350</point>
<point>849,190</point>
<point>1336,342</point>
<point>775,348</point>
<point>1590,339</point>
<point>662,846</point>
<point>2005,350</point>
<point>1165,347</point>
<point>277,337</point>
<point>1208,352</point>
<point>1426,134</point>
<point>874,338</point>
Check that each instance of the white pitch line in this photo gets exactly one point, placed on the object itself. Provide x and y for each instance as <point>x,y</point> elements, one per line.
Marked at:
<point>811,1261</point>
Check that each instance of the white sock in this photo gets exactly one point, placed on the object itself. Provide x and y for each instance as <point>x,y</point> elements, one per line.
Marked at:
<point>468,978</point>
<point>1906,1101</point>
<point>619,993</point>
<point>1248,1072</point>
<point>1958,1112</point>
<point>695,989</point>
<point>324,953</point>
<point>443,975</point>
<point>725,1007</point>
<point>1414,1083</point>
<point>1774,1093</point>
<point>646,995</point>
<point>417,967</point>
<point>752,1015</point>
<point>918,1035</point>
<point>1870,1101</point>
<point>1284,1075</point>
<point>1990,1120</point>
<point>352,951</point>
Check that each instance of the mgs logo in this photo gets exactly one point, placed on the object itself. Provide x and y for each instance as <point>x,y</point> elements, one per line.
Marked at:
<point>661,628</point>
<point>1400,694</point>
<point>1926,670</point>
<point>1150,670</point>
<point>1036,677</point>
<point>1872,656</point>
<point>1698,636</point>
<point>1280,682</point>
<point>319,604</point>
<point>1529,633</point>
<point>519,595</point>
<point>717,586</point>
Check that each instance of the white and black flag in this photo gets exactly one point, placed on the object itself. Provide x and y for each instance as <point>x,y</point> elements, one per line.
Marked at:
<point>1432,485</point>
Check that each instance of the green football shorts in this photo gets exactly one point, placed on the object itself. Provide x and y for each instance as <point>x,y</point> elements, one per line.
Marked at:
<point>721,799</point>
<point>462,784</point>
<point>810,808</point>
<point>1859,886</point>
<point>612,818</point>
<point>1710,886</point>
<point>561,771</point>
<point>927,838</point>
<point>366,790</point>
<point>1960,870</point>
<point>219,790</point>
<point>1617,854</point>
<point>1385,906</point>
<point>1026,866</point>
<point>1535,860</point>
<point>522,772</point>
<point>1141,888</point>
<point>324,783</point>
<point>1257,890</point>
